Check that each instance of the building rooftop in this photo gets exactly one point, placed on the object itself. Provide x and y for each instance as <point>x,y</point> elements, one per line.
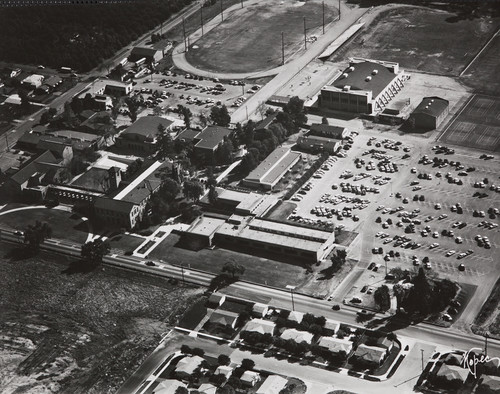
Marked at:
<point>188,364</point>
<point>273,166</point>
<point>226,318</point>
<point>315,140</point>
<point>370,353</point>
<point>295,316</point>
<point>297,336</point>
<point>137,187</point>
<point>53,81</point>
<point>168,386</point>
<point>147,126</point>
<point>250,376</point>
<point>332,325</point>
<point>272,385</point>
<point>42,163</point>
<point>223,370</point>
<point>95,179</point>
<point>34,79</point>
<point>187,135</point>
<point>115,205</point>
<point>434,106</point>
<point>452,372</point>
<point>333,131</point>
<point>260,325</point>
<point>206,226</point>
<point>335,345</point>
<point>493,382</point>
<point>211,136</point>
<point>364,78</point>
<point>291,230</point>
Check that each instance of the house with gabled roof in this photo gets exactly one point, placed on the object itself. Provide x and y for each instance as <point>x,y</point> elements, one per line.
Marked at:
<point>336,345</point>
<point>224,318</point>
<point>297,336</point>
<point>261,326</point>
<point>453,372</point>
<point>372,354</point>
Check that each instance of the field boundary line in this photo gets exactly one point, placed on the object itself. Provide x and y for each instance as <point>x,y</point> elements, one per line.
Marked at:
<point>479,53</point>
<point>454,118</point>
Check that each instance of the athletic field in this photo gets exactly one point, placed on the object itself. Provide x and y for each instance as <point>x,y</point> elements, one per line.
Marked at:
<point>477,124</point>
<point>250,39</point>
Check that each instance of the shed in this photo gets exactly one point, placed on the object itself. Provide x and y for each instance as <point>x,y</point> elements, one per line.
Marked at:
<point>259,310</point>
<point>272,385</point>
<point>429,114</point>
<point>217,299</point>
<point>250,378</point>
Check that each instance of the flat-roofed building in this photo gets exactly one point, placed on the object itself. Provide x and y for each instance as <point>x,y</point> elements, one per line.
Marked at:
<point>272,169</point>
<point>365,87</point>
<point>315,144</point>
<point>430,113</point>
<point>241,202</point>
<point>259,235</point>
<point>202,230</point>
<point>108,86</point>
<point>272,385</point>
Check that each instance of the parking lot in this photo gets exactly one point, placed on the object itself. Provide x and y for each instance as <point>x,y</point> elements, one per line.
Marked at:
<point>197,93</point>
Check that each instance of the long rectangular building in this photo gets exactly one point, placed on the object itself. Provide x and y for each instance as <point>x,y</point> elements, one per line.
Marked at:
<point>272,169</point>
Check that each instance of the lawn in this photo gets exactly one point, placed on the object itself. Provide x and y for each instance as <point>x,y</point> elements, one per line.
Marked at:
<point>65,225</point>
<point>83,332</point>
<point>281,211</point>
<point>250,39</point>
<point>421,39</point>
<point>125,243</point>
<point>257,269</point>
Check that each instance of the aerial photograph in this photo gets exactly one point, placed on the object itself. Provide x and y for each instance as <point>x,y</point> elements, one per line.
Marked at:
<point>249,196</point>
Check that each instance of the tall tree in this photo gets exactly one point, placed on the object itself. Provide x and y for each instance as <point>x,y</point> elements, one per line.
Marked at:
<point>220,116</point>
<point>382,298</point>
<point>36,234</point>
<point>186,114</point>
<point>164,143</point>
<point>212,195</point>
<point>192,190</point>
<point>233,268</point>
<point>93,251</point>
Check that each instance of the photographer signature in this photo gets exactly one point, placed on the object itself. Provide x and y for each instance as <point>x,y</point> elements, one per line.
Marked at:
<point>470,360</point>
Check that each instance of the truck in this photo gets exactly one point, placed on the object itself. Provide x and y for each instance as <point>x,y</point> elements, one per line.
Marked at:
<point>65,70</point>
<point>140,61</point>
<point>124,61</point>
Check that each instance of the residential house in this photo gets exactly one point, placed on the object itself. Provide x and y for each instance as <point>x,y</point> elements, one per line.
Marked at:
<point>207,388</point>
<point>186,366</point>
<point>224,370</point>
<point>332,325</point>
<point>59,147</point>
<point>453,372</point>
<point>224,318</point>
<point>250,378</point>
<point>103,102</point>
<point>261,326</point>
<point>371,354</point>
<point>336,345</point>
<point>169,386</point>
<point>53,81</point>
<point>32,82</point>
<point>260,310</point>
<point>216,299</point>
<point>297,336</point>
<point>141,136</point>
<point>295,316</point>
<point>488,382</point>
<point>272,385</point>
<point>385,343</point>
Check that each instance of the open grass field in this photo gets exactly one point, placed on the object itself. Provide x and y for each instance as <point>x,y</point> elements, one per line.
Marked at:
<point>484,73</point>
<point>421,39</point>
<point>65,225</point>
<point>80,332</point>
<point>477,124</point>
<point>259,270</point>
<point>250,39</point>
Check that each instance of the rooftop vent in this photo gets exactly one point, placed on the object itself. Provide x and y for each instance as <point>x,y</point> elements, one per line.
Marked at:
<point>374,72</point>
<point>344,75</point>
<point>368,78</point>
<point>350,69</point>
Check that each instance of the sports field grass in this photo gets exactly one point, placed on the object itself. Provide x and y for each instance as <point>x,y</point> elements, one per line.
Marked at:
<point>477,125</point>
<point>250,38</point>
<point>421,39</point>
<point>484,74</point>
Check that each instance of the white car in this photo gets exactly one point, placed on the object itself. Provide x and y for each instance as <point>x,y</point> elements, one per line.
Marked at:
<point>434,245</point>
<point>450,253</point>
<point>437,206</point>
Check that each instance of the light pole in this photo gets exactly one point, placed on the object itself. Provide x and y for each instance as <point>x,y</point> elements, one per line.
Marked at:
<point>291,288</point>
<point>486,344</point>
<point>305,36</point>
<point>422,353</point>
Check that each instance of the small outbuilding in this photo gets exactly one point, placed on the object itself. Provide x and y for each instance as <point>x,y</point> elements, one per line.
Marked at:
<point>429,113</point>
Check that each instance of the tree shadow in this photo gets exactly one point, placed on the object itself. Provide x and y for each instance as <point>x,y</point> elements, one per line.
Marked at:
<point>78,267</point>
<point>20,253</point>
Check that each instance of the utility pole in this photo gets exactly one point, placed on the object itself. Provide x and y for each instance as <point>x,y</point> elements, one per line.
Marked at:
<point>241,3</point>
<point>221,11</point>
<point>422,353</point>
<point>305,36</point>
<point>323,17</point>
<point>184,31</point>
<point>282,49</point>
<point>201,12</point>
<point>339,9</point>
<point>486,344</point>
<point>385,261</point>
<point>7,142</point>
<point>291,288</point>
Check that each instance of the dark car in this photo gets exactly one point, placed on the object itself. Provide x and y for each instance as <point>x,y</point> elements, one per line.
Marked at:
<point>371,266</point>
<point>150,263</point>
<point>336,307</point>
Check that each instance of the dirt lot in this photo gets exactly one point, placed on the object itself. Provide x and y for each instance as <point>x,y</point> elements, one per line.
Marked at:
<point>443,46</point>
<point>250,40</point>
<point>81,332</point>
<point>477,124</point>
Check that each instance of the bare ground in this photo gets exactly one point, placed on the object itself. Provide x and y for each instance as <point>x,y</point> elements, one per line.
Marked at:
<point>80,332</point>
